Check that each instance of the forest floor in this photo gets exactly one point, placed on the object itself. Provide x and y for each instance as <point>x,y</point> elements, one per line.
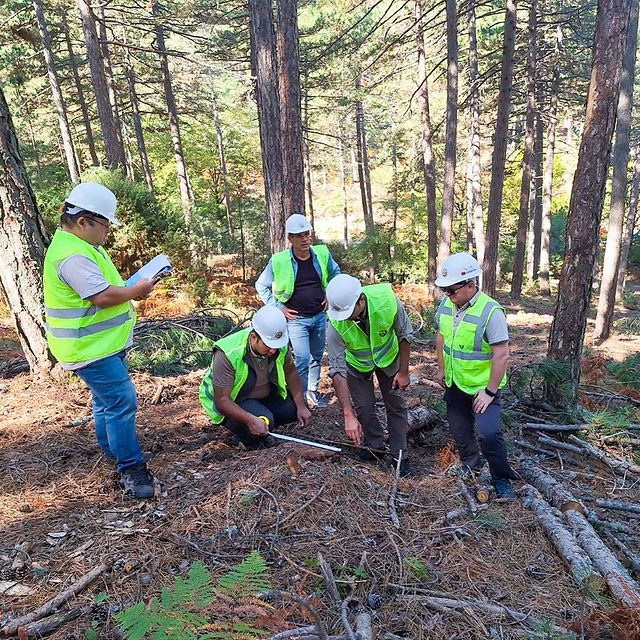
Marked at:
<point>62,512</point>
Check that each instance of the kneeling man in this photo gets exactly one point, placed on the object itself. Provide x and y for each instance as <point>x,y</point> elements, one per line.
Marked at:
<point>252,383</point>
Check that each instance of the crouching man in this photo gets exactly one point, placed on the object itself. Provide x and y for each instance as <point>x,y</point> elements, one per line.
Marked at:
<point>252,383</point>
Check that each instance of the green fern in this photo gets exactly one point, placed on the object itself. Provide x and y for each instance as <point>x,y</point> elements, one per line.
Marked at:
<point>248,578</point>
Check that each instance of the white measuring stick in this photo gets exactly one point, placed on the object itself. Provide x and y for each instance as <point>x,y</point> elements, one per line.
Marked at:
<point>307,442</point>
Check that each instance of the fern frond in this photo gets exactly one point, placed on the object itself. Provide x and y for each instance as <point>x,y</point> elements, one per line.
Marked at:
<point>251,576</point>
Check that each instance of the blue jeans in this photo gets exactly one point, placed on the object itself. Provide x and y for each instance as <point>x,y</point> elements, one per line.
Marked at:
<point>114,409</point>
<point>307,337</point>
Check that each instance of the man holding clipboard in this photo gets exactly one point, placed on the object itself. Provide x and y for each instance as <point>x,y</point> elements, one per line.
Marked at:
<point>90,321</point>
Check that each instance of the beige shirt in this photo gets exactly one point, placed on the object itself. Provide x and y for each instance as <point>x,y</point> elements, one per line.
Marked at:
<point>224,374</point>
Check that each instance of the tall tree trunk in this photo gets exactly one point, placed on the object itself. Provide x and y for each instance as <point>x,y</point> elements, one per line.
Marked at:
<point>474,187</point>
<point>79,92</point>
<point>111,86</point>
<point>428,161</point>
<point>587,195</point>
<point>135,115</point>
<point>186,196</point>
<point>451,134</point>
<point>620,161</point>
<point>545,236</point>
<point>22,246</point>
<point>223,159</point>
<point>498,157</point>
<point>345,208</point>
<point>629,226</point>
<point>525,186</point>
<point>538,151</point>
<point>394,186</point>
<point>307,159</point>
<point>363,163</point>
<point>56,92</point>
<point>290,106</point>
<point>266,74</point>
<point>113,149</point>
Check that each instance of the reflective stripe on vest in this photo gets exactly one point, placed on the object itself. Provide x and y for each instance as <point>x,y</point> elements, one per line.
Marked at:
<point>284,279</point>
<point>380,348</point>
<point>78,330</point>
<point>234,348</point>
<point>467,355</point>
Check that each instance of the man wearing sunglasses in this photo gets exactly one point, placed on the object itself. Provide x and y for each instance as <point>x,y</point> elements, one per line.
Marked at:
<point>472,348</point>
<point>90,322</point>
<point>295,281</point>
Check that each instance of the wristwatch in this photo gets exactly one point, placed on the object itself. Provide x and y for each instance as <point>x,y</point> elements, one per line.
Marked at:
<point>489,392</point>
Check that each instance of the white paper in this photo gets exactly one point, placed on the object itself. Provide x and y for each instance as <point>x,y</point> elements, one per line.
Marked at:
<point>149,270</point>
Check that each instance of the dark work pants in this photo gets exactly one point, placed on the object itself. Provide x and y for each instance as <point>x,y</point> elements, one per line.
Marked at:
<point>462,420</point>
<point>364,400</point>
<point>277,410</point>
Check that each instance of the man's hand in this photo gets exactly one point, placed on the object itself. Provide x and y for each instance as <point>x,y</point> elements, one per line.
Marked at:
<point>143,288</point>
<point>257,426</point>
<point>353,429</point>
<point>481,401</point>
<point>400,381</point>
<point>325,304</point>
<point>289,314</point>
<point>304,415</point>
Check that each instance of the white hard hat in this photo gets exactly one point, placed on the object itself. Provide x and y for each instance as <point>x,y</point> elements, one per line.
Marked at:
<point>271,325</point>
<point>458,268</point>
<point>297,223</point>
<point>91,197</point>
<point>342,294</point>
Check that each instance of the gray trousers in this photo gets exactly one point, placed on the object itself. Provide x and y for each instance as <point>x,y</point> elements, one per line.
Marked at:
<point>364,400</point>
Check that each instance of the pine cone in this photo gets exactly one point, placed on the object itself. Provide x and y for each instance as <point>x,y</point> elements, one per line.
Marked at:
<point>374,601</point>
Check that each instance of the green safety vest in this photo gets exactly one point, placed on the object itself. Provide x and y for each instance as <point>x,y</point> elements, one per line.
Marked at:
<point>380,348</point>
<point>467,355</point>
<point>235,347</point>
<point>284,279</point>
<point>77,330</point>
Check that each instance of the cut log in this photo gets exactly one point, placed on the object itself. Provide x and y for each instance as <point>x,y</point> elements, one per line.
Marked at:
<point>560,445</point>
<point>618,505</point>
<point>621,466</point>
<point>364,629</point>
<point>555,428</point>
<point>50,623</point>
<point>564,542</point>
<point>550,488</point>
<point>621,585</point>
<point>421,417</point>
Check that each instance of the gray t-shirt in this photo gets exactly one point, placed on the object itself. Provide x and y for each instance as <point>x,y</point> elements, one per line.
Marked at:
<point>497,330</point>
<point>85,277</point>
<point>336,346</point>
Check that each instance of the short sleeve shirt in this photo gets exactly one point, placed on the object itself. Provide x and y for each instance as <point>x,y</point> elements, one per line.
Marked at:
<point>496,331</point>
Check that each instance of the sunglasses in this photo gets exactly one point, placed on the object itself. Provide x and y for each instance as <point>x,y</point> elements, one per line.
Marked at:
<point>106,224</point>
<point>454,289</point>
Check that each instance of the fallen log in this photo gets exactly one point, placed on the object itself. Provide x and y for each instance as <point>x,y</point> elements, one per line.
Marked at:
<point>532,447</point>
<point>632,559</point>
<point>621,466</point>
<point>550,488</point>
<point>364,629</point>
<point>50,623</point>
<point>560,445</point>
<point>555,428</point>
<point>564,542</point>
<point>605,524</point>
<point>12,626</point>
<point>621,585</point>
<point>618,505</point>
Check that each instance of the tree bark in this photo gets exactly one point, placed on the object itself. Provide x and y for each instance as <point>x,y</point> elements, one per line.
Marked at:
<point>585,208</point>
<point>290,106</point>
<point>113,149</point>
<point>451,133</point>
<point>223,159</point>
<point>135,115</point>
<point>79,92</point>
<point>525,185</point>
<point>547,183</point>
<point>363,163</point>
<point>620,161</point>
<point>266,74</point>
<point>186,197</point>
<point>307,161</point>
<point>22,247</point>
<point>537,196</point>
<point>499,155</point>
<point>345,207</point>
<point>474,187</point>
<point>56,92</point>
<point>629,226</point>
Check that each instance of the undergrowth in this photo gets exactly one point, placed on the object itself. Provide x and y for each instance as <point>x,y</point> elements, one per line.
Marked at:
<point>627,372</point>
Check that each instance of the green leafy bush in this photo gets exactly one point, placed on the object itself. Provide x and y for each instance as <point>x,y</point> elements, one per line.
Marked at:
<point>627,372</point>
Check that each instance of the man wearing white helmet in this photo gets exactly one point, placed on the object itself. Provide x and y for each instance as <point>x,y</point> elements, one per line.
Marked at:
<point>252,383</point>
<point>472,348</point>
<point>295,280</point>
<point>369,333</point>
<point>90,321</point>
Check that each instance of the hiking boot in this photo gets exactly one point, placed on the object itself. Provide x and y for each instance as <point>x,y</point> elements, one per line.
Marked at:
<point>268,442</point>
<point>405,468</point>
<point>138,482</point>
<point>366,455</point>
<point>314,399</point>
<point>504,491</point>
